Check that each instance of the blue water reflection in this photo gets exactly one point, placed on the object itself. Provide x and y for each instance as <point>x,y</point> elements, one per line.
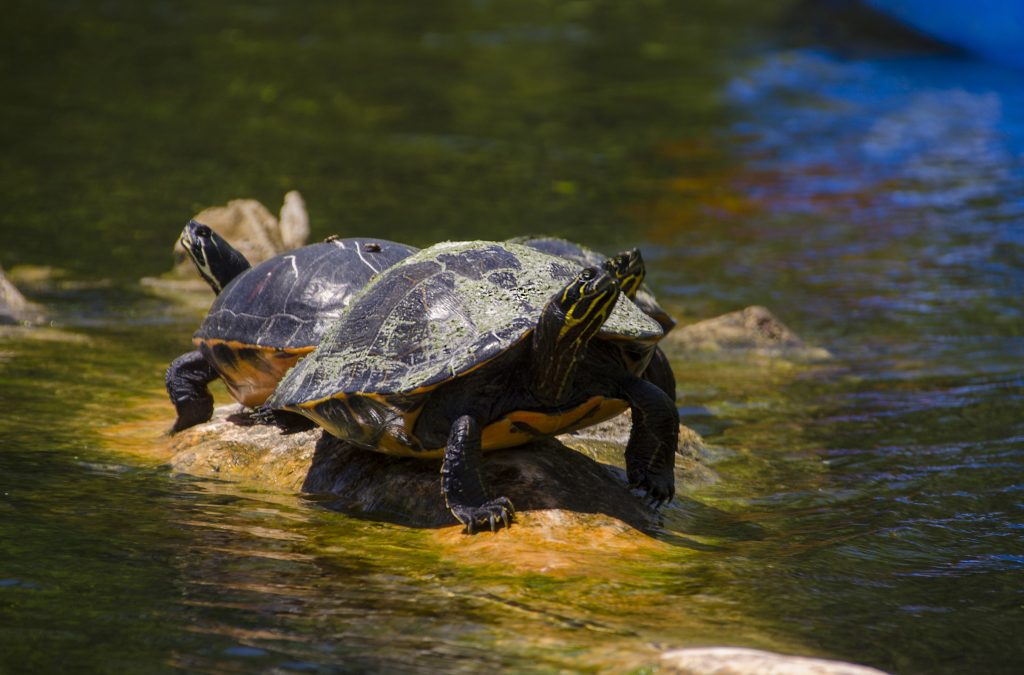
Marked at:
<point>887,199</point>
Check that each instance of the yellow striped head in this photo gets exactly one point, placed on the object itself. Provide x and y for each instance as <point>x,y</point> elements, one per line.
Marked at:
<point>628,267</point>
<point>587,301</point>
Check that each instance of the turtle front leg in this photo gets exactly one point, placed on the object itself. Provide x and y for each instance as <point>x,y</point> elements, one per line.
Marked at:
<point>460,480</point>
<point>186,380</point>
<point>651,451</point>
<point>659,373</point>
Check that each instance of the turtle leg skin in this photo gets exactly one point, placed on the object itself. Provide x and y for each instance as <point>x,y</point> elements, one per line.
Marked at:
<point>285,420</point>
<point>651,451</point>
<point>187,379</point>
<point>659,373</point>
<point>460,480</point>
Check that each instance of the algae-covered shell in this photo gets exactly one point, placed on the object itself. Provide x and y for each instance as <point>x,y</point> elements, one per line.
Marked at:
<point>439,314</point>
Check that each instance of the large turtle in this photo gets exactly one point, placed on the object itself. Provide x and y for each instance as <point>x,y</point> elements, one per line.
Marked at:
<point>472,346</point>
<point>658,371</point>
<point>265,318</point>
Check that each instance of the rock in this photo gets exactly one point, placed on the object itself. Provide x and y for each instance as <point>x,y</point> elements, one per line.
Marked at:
<point>229,446</point>
<point>250,228</point>
<point>294,221</point>
<point>754,329</point>
<point>14,308</point>
<point>574,473</point>
<point>737,661</point>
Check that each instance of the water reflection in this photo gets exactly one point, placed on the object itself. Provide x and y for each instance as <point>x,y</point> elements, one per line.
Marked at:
<point>885,195</point>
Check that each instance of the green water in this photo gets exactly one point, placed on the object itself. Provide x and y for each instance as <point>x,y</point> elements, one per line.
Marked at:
<point>869,508</point>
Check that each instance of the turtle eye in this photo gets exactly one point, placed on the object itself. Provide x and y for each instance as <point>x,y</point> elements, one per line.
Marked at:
<point>588,274</point>
<point>203,231</point>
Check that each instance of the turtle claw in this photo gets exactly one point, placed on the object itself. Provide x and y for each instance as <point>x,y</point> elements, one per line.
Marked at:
<point>262,415</point>
<point>487,514</point>
<point>658,491</point>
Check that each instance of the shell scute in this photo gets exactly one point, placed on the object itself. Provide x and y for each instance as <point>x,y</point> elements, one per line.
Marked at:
<point>288,301</point>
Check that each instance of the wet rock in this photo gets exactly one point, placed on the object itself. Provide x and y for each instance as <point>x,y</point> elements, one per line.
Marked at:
<point>737,661</point>
<point>249,227</point>
<point>14,308</point>
<point>574,474</point>
<point>293,223</point>
<point>754,329</point>
<point>230,446</point>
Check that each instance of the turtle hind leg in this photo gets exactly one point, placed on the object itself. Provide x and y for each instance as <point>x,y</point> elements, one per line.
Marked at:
<point>186,380</point>
<point>651,451</point>
<point>460,480</point>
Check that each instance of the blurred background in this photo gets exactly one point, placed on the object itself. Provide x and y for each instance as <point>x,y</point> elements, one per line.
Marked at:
<point>857,167</point>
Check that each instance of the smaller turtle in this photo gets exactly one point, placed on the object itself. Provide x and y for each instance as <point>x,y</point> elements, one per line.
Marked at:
<point>265,318</point>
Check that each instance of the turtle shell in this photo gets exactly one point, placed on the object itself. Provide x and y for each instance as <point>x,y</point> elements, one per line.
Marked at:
<point>440,314</point>
<point>274,313</point>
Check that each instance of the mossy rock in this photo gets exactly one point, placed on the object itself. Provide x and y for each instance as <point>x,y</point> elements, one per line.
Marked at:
<point>753,330</point>
<point>577,473</point>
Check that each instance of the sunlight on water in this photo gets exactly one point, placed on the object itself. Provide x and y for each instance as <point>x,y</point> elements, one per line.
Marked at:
<point>868,506</point>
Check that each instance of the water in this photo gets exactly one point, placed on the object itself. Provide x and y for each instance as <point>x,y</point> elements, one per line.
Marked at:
<point>869,508</point>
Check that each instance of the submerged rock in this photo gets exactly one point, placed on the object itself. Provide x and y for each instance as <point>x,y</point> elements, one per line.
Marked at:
<point>738,661</point>
<point>754,329</point>
<point>575,473</point>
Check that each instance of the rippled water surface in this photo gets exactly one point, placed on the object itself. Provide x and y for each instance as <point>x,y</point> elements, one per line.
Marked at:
<point>869,507</point>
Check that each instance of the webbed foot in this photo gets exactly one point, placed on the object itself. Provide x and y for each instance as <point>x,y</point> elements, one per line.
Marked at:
<point>659,489</point>
<point>192,412</point>
<point>490,514</point>
<point>287,421</point>
<point>460,481</point>
<point>262,415</point>
<point>186,381</point>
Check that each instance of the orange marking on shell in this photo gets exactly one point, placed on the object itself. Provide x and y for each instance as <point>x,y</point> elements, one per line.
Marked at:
<point>251,384</point>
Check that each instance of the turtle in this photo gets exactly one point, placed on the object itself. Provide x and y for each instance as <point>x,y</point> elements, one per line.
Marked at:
<point>265,318</point>
<point>659,371</point>
<point>471,346</point>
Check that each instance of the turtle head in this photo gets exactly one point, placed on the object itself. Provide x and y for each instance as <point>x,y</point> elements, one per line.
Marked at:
<point>215,259</point>
<point>586,303</point>
<point>628,268</point>
<point>570,319</point>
